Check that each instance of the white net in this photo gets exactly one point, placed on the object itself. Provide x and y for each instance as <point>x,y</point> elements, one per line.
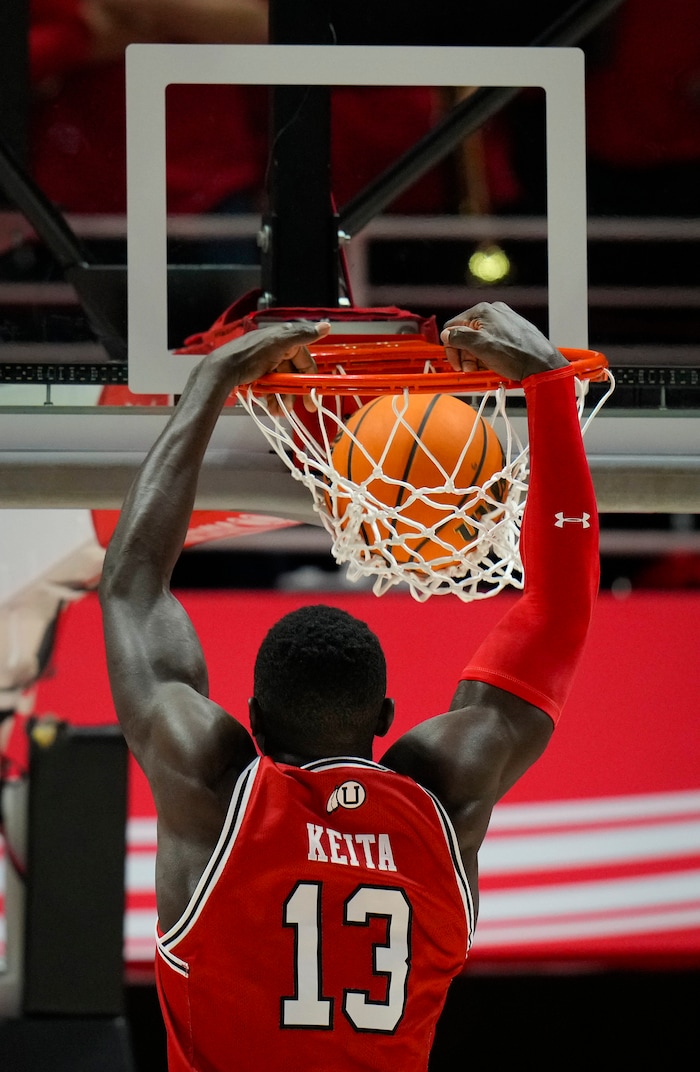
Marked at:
<point>445,537</point>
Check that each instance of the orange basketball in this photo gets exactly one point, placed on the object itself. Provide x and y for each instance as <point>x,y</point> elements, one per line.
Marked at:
<point>424,446</point>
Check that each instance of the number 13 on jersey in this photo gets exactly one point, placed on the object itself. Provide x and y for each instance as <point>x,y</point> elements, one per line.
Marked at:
<point>309,1007</point>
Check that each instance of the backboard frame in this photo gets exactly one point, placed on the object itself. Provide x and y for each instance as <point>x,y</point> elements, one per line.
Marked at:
<point>153,368</point>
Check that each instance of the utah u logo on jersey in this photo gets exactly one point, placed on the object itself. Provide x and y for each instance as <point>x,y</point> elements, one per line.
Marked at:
<point>348,794</point>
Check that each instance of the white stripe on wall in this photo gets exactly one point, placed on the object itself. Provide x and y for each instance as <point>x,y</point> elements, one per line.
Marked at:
<point>586,848</point>
<point>612,895</point>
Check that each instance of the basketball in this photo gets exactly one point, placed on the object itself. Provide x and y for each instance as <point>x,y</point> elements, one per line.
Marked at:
<point>422,440</point>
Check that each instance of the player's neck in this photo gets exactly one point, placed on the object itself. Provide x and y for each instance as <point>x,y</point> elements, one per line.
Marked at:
<point>294,759</point>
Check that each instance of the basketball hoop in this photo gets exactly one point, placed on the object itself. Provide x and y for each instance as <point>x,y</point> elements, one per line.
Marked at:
<point>383,525</point>
<point>395,364</point>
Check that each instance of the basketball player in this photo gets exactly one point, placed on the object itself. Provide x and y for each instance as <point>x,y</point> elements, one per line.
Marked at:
<point>313,905</point>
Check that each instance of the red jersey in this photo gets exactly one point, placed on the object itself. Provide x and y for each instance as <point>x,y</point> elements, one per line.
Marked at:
<point>325,930</point>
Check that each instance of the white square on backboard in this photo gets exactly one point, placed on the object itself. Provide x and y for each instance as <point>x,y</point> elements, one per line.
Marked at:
<point>150,68</point>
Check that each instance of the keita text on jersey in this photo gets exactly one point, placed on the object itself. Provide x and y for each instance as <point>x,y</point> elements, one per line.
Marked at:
<point>371,851</point>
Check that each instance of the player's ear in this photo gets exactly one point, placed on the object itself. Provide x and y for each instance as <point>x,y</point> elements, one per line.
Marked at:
<point>256,721</point>
<point>386,717</point>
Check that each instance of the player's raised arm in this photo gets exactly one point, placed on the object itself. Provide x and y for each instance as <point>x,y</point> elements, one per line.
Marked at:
<point>515,684</point>
<point>156,666</point>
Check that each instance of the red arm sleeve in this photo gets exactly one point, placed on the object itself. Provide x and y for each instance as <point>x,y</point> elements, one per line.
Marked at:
<point>534,650</point>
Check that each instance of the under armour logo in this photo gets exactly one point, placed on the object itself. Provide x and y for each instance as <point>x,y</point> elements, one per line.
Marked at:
<point>583,521</point>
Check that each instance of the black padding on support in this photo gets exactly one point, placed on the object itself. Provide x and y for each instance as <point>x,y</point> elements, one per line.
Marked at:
<point>65,1045</point>
<point>75,873</point>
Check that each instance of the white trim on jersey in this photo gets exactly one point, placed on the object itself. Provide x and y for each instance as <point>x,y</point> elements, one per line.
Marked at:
<point>180,966</point>
<point>460,874</point>
<point>217,862</point>
<point>343,761</point>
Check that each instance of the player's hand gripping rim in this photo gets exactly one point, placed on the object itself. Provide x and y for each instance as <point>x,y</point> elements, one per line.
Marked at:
<point>275,348</point>
<point>492,336</point>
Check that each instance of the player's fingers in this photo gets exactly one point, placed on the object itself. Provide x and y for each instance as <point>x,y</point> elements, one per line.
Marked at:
<point>297,360</point>
<point>279,405</point>
<point>477,315</point>
<point>302,361</point>
<point>459,340</point>
<point>462,361</point>
<point>297,336</point>
<point>461,333</point>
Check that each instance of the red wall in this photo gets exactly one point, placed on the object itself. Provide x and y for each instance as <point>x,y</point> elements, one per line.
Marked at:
<point>631,724</point>
<point>594,856</point>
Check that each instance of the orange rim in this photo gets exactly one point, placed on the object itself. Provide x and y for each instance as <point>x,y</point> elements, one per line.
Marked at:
<point>390,367</point>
